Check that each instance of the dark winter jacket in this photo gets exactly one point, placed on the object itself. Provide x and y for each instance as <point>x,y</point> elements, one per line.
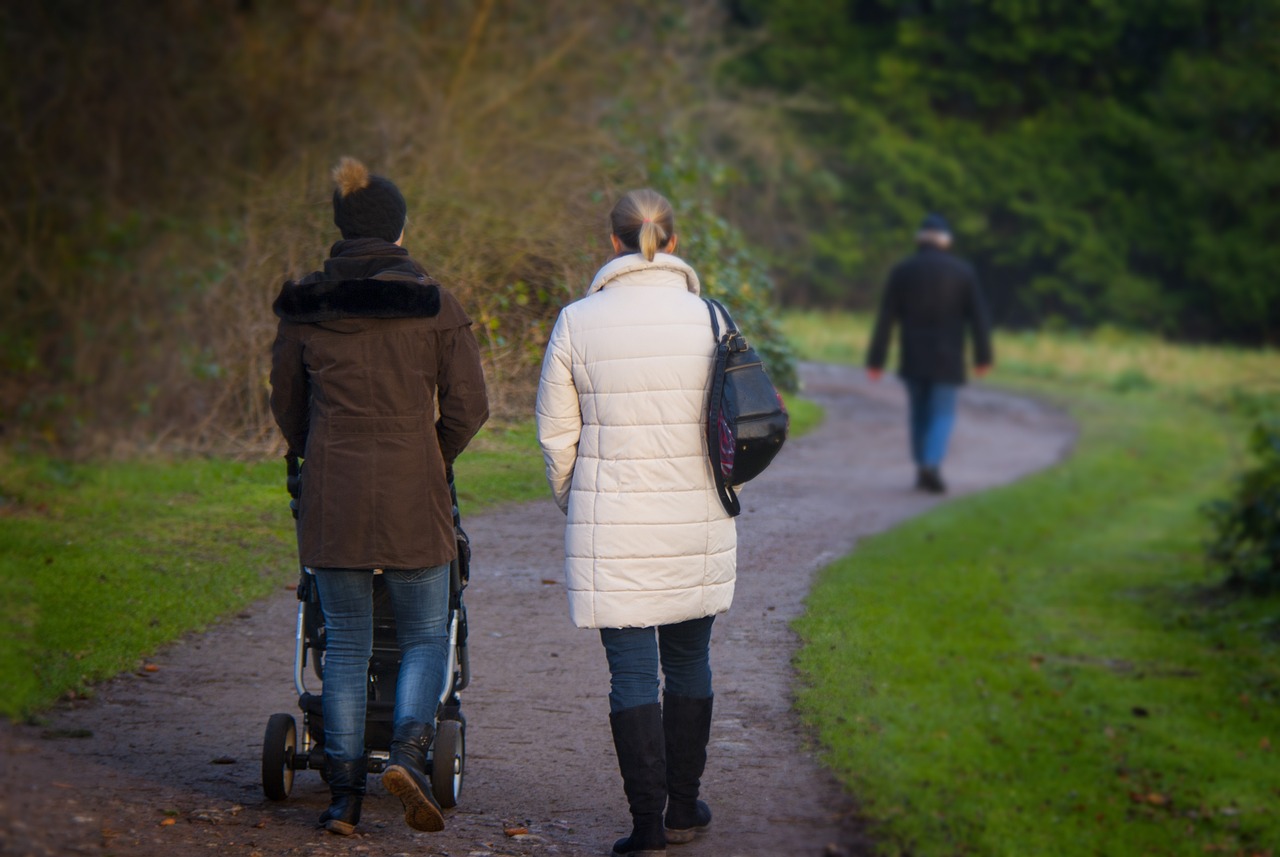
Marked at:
<point>364,350</point>
<point>933,297</point>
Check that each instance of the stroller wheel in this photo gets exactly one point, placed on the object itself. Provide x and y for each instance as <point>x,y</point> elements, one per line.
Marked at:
<point>448,762</point>
<point>278,746</point>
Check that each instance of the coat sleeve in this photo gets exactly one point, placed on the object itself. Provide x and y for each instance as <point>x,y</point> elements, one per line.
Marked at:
<point>460,390</point>
<point>290,391</point>
<point>878,350</point>
<point>559,414</point>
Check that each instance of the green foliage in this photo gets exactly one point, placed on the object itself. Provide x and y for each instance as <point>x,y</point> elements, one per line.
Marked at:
<point>1100,161</point>
<point>1246,527</point>
<point>730,270</point>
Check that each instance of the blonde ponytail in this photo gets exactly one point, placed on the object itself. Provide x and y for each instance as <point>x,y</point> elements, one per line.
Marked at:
<point>643,222</point>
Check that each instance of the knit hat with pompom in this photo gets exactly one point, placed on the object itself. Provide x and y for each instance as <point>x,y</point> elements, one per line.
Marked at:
<point>365,205</point>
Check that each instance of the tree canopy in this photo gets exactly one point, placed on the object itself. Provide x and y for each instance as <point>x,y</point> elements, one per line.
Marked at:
<point>1101,161</point>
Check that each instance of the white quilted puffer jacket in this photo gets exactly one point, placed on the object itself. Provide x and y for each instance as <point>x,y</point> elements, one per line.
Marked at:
<point>621,408</point>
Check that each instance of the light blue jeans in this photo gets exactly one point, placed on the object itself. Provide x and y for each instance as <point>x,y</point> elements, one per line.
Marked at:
<point>683,649</point>
<point>932,408</point>
<point>420,599</point>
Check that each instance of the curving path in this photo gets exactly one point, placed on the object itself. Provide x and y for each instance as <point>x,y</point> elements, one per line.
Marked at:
<point>168,762</point>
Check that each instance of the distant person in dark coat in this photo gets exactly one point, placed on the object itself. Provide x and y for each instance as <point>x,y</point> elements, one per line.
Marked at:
<point>934,297</point>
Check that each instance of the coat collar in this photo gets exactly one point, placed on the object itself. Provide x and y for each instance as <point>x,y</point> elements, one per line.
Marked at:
<point>625,266</point>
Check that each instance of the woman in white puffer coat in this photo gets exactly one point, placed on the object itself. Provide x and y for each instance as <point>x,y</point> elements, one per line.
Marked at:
<point>650,553</point>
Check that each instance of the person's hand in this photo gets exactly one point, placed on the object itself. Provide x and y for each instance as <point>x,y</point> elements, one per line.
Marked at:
<point>979,371</point>
<point>874,374</point>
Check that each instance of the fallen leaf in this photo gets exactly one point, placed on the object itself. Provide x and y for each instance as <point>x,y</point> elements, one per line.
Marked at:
<point>168,822</point>
<point>1265,743</point>
<point>546,581</point>
<point>151,668</point>
<point>1157,799</point>
<point>516,831</point>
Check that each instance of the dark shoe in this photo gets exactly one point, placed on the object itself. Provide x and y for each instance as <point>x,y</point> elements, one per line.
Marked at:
<point>642,759</point>
<point>686,725</point>
<point>406,776</point>
<point>346,788</point>
<point>931,481</point>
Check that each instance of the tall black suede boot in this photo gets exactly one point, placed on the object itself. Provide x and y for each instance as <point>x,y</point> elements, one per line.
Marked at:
<point>406,776</point>
<point>686,722</point>
<point>346,788</point>
<point>642,759</point>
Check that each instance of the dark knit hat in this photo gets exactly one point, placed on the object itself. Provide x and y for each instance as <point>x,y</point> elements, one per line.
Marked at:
<point>365,205</point>
<point>934,222</point>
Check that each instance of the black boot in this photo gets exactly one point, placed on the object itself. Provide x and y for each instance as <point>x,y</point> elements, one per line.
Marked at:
<point>931,478</point>
<point>346,786</point>
<point>642,759</point>
<point>686,723</point>
<point>406,776</point>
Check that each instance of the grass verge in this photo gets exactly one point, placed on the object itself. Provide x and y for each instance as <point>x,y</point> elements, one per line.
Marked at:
<point>1047,668</point>
<point>1107,358</point>
<point>100,564</point>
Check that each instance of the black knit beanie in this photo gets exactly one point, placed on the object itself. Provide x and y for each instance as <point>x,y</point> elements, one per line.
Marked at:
<point>365,205</point>
<point>935,222</point>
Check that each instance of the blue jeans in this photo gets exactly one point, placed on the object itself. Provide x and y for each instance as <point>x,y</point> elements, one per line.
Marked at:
<point>932,408</point>
<point>684,650</point>
<point>420,599</point>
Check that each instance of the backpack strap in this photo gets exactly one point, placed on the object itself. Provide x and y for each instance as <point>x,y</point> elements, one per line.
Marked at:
<point>728,319</point>
<point>728,498</point>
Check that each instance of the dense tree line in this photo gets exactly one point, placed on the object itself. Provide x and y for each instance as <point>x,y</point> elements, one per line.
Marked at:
<point>1102,161</point>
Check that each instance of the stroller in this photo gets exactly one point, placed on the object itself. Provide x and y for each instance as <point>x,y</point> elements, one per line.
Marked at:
<point>282,751</point>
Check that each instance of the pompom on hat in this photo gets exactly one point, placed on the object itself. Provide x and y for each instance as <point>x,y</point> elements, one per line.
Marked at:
<point>366,205</point>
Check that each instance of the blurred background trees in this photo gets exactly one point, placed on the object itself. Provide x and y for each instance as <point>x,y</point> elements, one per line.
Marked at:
<point>1102,161</point>
<point>167,169</point>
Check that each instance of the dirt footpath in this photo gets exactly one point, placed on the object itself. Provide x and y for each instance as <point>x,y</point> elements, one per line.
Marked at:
<point>169,762</point>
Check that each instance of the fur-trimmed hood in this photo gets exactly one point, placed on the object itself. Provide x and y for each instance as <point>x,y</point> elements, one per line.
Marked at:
<point>383,296</point>
<point>365,278</point>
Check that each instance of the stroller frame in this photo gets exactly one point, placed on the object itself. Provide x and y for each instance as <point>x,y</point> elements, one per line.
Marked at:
<point>284,751</point>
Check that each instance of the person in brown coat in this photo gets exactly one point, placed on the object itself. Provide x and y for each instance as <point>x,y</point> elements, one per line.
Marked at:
<point>365,350</point>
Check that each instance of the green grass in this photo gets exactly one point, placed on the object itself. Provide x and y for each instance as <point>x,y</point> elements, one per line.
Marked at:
<point>805,415</point>
<point>1106,358</point>
<point>1048,668</point>
<point>102,563</point>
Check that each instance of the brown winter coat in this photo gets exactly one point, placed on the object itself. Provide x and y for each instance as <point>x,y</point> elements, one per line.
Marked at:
<point>364,350</point>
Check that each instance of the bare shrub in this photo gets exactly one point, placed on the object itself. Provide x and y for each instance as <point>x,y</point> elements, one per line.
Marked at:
<point>174,173</point>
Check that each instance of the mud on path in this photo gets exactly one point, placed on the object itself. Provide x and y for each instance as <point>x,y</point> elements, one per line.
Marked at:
<point>168,762</point>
